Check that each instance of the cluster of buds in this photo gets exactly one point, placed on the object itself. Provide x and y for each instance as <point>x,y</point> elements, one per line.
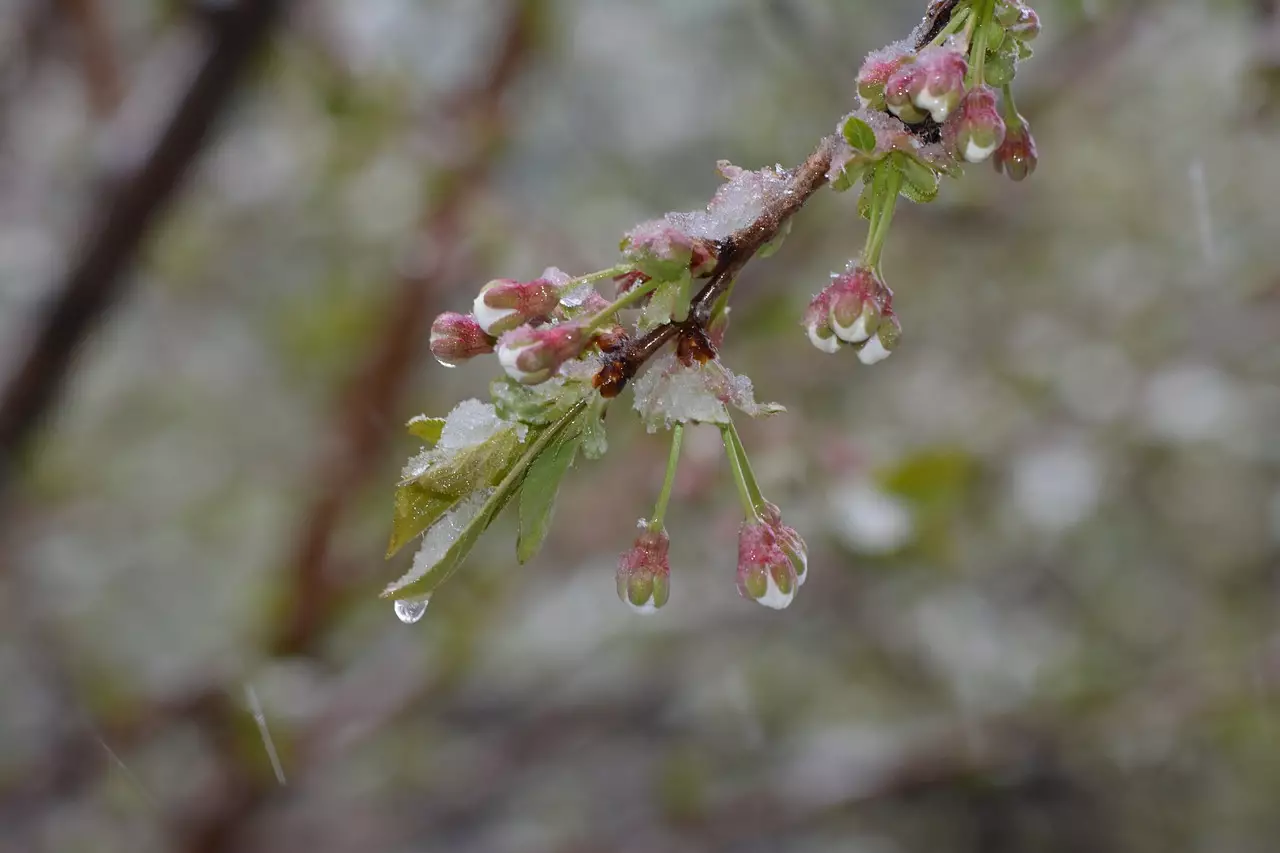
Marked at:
<point>930,85</point>
<point>773,562</point>
<point>856,310</point>
<point>658,249</point>
<point>644,572</point>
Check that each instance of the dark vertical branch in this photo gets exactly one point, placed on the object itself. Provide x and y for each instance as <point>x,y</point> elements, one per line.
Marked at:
<point>124,216</point>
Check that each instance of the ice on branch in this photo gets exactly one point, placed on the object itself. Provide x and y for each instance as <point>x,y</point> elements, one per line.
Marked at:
<point>736,204</point>
<point>440,537</point>
<point>671,392</point>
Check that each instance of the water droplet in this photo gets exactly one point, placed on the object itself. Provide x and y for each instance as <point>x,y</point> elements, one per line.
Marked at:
<point>444,363</point>
<point>409,612</point>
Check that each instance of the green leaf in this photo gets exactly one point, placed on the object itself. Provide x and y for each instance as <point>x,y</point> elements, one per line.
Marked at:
<point>662,304</point>
<point>858,134</point>
<point>919,182</point>
<point>503,492</point>
<point>535,405</point>
<point>427,429</point>
<point>421,501</point>
<point>854,171</point>
<point>595,438</point>
<point>866,201</point>
<point>541,485</point>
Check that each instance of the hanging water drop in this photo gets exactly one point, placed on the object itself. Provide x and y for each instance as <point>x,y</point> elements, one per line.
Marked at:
<point>444,363</point>
<point>409,612</point>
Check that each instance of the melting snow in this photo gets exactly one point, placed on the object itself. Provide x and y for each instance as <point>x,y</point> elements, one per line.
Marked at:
<point>672,393</point>
<point>736,204</point>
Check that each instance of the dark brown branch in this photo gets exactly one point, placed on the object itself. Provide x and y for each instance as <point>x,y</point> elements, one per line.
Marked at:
<point>124,217</point>
<point>735,252</point>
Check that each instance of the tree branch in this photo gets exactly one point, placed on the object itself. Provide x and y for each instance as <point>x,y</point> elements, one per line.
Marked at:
<point>124,217</point>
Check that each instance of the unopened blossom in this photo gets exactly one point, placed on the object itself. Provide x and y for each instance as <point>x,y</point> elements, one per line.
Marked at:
<point>933,84</point>
<point>659,249</point>
<point>532,354</point>
<point>788,539</point>
<point>875,72</point>
<point>1026,26</point>
<point>644,572</point>
<point>504,303</point>
<point>976,130</point>
<point>458,337</point>
<point>766,574</point>
<point>882,344</point>
<point>857,299</point>
<point>1016,157</point>
<point>817,323</point>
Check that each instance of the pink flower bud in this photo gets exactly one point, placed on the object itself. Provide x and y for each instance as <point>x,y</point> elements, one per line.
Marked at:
<point>875,72</point>
<point>788,540</point>
<point>458,337</point>
<point>884,342</point>
<point>644,572</point>
<point>938,84</point>
<point>504,303</point>
<point>975,130</point>
<point>1017,156</point>
<point>817,323</point>
<point>857,300</point>
<point>1027,25</point>
<point>897,92</point>
<point>659,249</point>
<point>532,354</point>
<point>766,573</point>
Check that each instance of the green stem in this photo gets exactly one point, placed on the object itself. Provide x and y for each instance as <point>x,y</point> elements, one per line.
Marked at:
<point>958,19</point>
<point>1012,118</point>
<point>592,278</point>
<point>978,55</point>
<point>739,476</point>
<point>753,487</point>
<point>885,203</point>
<point>626,300</point>
<point>664,497</point>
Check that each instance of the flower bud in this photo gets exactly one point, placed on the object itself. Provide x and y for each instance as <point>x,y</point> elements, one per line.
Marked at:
<point>788,540</point>
<point>897,92</point>
<point>1017,156</point>
<point>1027,25</point>
<point>875,72</point>
<point>644,572</point>
<point>504,303</point>
<point>659,249</point>
<point>817,322</point>
<point>766,573</point>
<point>885,341</point>
<point>975,130</point>
<point>532,354</point>
<point>458,337</point>
<point>858,298</point>
<point>939,85</point>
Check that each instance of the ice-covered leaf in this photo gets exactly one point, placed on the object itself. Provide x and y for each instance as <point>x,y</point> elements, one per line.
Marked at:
<point>425,428</point>
<point>919,182</point>
<point>661,305</point>
<point>451,475</point>
<point>858,133</point>
<point>671,392</point>
<point>541,485</point>
<point>442,552</point>
<point>595,438</point>
<point>537,405</point>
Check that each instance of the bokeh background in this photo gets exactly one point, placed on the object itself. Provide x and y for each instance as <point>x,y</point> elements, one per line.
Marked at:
<point>1044,588</point>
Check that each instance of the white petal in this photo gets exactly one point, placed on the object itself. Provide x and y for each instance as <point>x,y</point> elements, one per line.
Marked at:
<point>646,609</point>
<point>489,317</point>
<point>774,597</point>
<point>507,357</point>
<point>975,153</point>
<point>934,106</point>
<point>873,352</point>
<point>830,344</point>
<point>855,333</point>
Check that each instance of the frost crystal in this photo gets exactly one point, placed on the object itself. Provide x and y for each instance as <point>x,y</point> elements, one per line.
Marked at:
<point>736,204</point>
<point>672,393</point>
<point>440,538</point>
